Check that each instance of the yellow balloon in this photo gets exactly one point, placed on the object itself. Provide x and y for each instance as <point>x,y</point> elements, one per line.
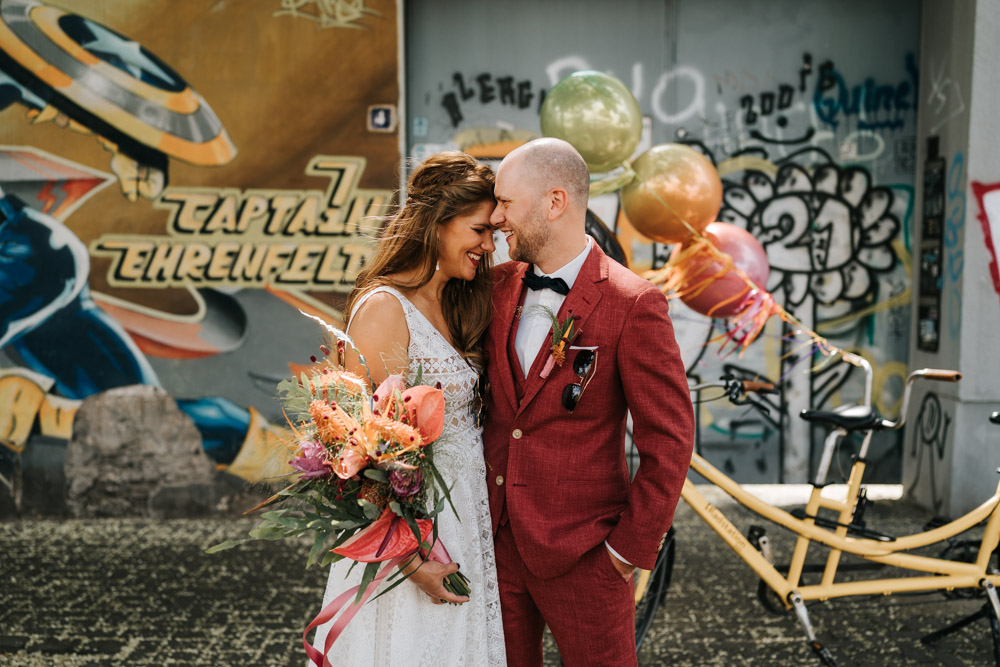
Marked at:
<point>674,184</point>
<point>597,114</point>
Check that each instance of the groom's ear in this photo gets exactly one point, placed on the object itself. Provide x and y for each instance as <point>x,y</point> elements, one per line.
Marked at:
<point>558,202</point>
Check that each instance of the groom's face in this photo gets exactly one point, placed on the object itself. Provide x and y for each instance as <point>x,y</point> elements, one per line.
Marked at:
<point>519,214</point>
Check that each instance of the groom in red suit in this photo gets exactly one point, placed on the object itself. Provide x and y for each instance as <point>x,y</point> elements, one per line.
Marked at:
<point>569,526</point>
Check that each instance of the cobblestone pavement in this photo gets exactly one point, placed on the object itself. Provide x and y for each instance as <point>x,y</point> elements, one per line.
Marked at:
<point>139,592</point>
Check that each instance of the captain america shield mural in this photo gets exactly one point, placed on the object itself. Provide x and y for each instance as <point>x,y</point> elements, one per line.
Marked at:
<point>110,84</point>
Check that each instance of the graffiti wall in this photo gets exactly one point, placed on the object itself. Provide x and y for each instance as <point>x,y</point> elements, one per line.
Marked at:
<point>178,180</point>
<point>951,451</point>
<point>808,111</point>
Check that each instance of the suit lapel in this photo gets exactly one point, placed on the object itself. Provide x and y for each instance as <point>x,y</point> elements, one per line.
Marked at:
<point>580,301</point>
<point>506,297</point>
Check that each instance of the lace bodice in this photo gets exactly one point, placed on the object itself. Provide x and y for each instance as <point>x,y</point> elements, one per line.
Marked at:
<point>404,627</point>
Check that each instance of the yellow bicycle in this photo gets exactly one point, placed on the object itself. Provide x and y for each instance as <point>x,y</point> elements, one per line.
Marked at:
<point>836,525</point>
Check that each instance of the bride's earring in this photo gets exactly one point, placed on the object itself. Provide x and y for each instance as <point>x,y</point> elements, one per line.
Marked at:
<point>437,267</point>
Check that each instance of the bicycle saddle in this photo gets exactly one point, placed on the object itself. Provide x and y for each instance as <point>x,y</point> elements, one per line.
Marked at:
<point>849,417</point>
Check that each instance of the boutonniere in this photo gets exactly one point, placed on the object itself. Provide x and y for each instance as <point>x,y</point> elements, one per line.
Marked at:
<point>563,334</point>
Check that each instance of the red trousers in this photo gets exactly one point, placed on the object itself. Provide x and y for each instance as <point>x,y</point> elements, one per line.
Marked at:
<point>590,610</point>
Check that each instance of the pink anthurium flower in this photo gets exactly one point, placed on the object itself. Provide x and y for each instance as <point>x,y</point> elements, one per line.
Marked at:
<point>425,411</point>
<point>385,539</point>
<point>383,400</point>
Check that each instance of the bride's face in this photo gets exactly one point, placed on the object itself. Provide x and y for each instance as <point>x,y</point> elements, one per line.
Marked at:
<point>464,240</point>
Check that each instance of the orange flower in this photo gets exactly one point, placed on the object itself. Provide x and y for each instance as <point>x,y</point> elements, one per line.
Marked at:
<point>332,423</point>
<point>559,352</point>
<point>389,430</point>
<point>349,463</point>
<point>323,384</point>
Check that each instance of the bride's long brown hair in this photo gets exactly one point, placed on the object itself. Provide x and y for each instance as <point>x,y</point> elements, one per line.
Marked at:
<point>444,186</point>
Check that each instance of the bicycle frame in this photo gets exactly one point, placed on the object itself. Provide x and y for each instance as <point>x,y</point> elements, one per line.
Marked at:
<point>944,574</point>
<point>948,574</point>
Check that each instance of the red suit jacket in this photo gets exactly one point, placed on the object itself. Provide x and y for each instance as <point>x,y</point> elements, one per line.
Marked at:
<point>562,476</point>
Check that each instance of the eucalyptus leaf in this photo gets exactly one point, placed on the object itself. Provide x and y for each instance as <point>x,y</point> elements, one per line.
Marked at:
<point>371,511</point>
<point>412,523</point>
<point>228,544</point>
<point>343,537</point>
<point>376,474</point>
<point>271,532</point>
<point>444,489</point>
<point>317,548</point>
<point>292,523</point>
<point>371,569</point>
<point>329,558</point>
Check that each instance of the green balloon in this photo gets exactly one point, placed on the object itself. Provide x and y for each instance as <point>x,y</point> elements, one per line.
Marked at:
<point>597,114</point>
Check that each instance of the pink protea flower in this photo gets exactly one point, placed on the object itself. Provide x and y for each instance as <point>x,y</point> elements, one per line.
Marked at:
<point>312,460</point>
<point>406,483</point>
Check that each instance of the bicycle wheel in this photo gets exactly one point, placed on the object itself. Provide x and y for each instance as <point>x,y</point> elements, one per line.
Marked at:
<point>656,589</point>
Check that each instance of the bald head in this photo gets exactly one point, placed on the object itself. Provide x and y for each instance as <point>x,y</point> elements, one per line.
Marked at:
<point>550,163</point>
<point>541,191</point>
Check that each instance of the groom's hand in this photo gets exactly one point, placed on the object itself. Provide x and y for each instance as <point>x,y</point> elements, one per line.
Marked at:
<point>623,568</point>
<point>429,577</point>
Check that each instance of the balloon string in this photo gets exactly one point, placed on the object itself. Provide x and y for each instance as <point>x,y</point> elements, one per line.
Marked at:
<point>613,183</point>
<point>822,343</point>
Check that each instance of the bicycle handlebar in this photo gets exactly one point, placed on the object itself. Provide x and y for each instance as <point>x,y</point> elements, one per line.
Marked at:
<point>759,387</point>
<point>940,374</point>
<point>739,391</point>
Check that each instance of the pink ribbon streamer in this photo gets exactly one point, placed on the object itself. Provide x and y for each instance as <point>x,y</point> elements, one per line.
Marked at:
<point>438,553</point>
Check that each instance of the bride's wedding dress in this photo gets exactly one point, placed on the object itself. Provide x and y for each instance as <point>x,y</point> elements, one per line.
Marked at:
<point>404,627</point>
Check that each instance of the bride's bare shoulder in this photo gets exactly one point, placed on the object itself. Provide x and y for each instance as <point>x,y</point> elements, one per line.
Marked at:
<point>380,312</point>
<point>380,333</point>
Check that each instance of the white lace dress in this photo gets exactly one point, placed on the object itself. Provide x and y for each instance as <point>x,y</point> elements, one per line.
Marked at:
<point>404,628</point>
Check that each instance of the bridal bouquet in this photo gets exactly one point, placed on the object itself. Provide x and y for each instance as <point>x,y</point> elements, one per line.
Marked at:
<point>367,488</point>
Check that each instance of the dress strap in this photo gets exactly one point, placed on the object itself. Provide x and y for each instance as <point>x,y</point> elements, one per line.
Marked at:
<point>403,301</point>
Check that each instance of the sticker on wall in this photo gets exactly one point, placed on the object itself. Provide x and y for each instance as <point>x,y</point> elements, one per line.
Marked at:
<point>381,118</point>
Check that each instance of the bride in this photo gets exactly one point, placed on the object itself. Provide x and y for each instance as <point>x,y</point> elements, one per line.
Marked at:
<point>425,301</point>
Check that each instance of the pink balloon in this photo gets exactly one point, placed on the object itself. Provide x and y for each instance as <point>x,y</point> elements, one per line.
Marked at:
<point>747,253</point>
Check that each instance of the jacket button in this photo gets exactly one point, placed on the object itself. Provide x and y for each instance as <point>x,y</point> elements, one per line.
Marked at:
<point>517,434</point>
<point>499,480</point>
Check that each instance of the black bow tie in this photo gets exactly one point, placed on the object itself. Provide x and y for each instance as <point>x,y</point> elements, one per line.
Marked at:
<point>557,285</point>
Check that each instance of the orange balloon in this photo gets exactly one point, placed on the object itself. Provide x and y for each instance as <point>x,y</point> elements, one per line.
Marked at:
<point>673,182</point>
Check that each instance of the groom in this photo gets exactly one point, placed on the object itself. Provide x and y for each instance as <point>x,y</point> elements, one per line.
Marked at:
<point>568,525</point>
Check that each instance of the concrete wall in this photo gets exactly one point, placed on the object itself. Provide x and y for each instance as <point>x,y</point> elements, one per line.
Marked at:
<point>951,451</point>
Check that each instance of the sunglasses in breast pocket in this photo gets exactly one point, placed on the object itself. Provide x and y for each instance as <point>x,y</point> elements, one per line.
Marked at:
<point>584,365</point>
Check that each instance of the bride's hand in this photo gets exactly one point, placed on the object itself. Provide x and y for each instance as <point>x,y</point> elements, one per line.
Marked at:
<point>429,577</point>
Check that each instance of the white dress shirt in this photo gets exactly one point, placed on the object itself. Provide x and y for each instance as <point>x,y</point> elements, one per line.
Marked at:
<point>534,328</point>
